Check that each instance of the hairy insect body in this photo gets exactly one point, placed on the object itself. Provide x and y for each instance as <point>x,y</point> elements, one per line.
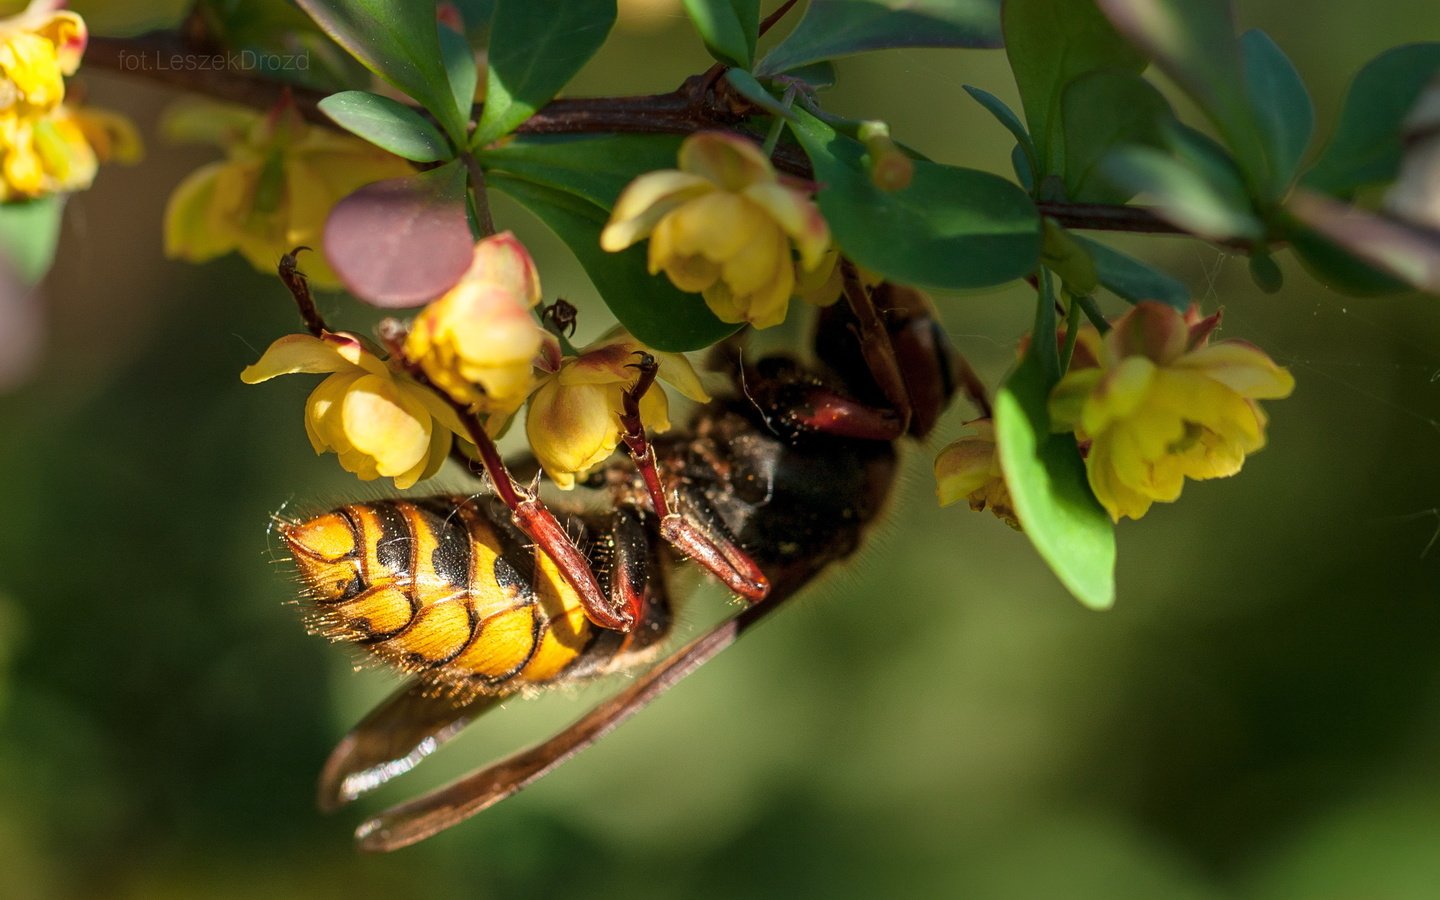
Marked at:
<point>446,588</point>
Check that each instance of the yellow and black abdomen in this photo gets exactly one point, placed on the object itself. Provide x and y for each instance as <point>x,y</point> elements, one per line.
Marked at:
<point>445,588</point>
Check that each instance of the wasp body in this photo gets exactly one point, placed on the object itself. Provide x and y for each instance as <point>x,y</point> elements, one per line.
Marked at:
<point>786,474</point>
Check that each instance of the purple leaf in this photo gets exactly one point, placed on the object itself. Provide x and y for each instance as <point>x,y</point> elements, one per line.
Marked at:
<point>402,242</point>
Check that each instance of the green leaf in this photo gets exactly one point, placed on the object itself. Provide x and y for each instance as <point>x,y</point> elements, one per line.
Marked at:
<point>651,307</point>
<point>595,168</point>
<point>398,41</point>
<point>728,27</point>
<point>1049,45</point>
<point>1181,195</point>
<point>1193,41</point>
<point>1366,148</point>
<point>1409,254</point>
<point>752,90</point>
<point>1132,280</point>
<point>1006,116</point>
<point>388,124</point>
<point>1046,476</point>
<point>818,75</point>
<point>1282,105</point>
<point>535,49</point>
<point>29,230</point>
<point>834,28</point>
<point>1100,111</point>
<point>460,68</point>
<point>951,228</point>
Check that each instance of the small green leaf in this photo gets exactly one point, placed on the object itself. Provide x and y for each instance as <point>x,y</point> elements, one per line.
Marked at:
<point>1193,41</point>
<point>1100,111</point>
<point>1266,273</point>
<point>818,75</point>
<point>398,41</point>
<point>1049,45</point>
<point>1409,254</point>
<point>535,49</point>
<point>29,230</point>
<point>388,124</point>
<point>951,228</point>
<point>1366,148</point>
<point>460,68</point>
<point>728,27</point>
<point>1181,195</point>
<point>752,90</point>
<point>1006,116</point>
<point>651,307</point>
<point>1282,105</point>
<point>1046,477</point>
<point>833,28</point>
<point>1132,280</point>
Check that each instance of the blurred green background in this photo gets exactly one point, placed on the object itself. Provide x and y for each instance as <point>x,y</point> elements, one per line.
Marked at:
<point>1259,716</point>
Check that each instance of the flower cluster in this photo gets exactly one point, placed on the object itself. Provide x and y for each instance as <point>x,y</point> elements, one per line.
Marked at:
<point>483,354</point>
<point>1155,403</point>
<point>274,190</point>
<point>1151,403</point>
<point>46,144</point>
<point>723,225</point>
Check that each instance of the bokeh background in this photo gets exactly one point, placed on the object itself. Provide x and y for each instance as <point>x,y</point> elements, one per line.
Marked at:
<point>1259,716</point>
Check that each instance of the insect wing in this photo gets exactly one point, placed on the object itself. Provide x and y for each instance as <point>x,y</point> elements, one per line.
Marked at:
<point>428,814</point>
<point>408,726</point>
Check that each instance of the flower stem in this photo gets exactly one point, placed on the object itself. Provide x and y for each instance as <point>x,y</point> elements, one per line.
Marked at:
<point>478,194</point>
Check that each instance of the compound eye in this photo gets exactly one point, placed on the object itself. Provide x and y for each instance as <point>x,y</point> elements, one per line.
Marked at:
<point>326,552</point>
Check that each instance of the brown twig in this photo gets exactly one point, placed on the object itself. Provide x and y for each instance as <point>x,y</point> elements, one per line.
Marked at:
<point>702,102</point>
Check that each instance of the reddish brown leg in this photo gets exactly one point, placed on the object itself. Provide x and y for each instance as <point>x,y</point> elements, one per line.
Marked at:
<point>713,551</point>
<point>876,346</point>
<point>529,513</point>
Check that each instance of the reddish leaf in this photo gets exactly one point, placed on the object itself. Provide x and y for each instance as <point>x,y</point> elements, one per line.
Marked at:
<point>1410,254</point>
<point>402,242</point>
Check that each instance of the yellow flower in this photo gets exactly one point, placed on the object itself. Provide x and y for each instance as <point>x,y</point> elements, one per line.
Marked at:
<point>1161,404</point>
<point>573,421</point>
<point>37,48</point>
<point>274,190</point>
<point>380,424</point>
<point>723,225</point>
<point>479,341</point>
<point>969,469</point>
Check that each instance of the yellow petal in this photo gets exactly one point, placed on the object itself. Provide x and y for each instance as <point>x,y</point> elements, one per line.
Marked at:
<point>676,371</point>
<point>759,261</point>
<point>647,200</point>
<point>382,423</point>
<point>963,467</point>
<point>716,225</point>
<point>503,261</point>
<point>570,428</point>
<point>1242,367</point>
<point>729,161</point>
<point>295,353</point>
<point>797,216</point>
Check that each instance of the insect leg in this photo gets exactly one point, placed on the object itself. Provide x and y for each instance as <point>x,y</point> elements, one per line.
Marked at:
<point>713,551</point>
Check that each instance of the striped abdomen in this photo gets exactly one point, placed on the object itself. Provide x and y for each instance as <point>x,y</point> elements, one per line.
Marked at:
<point>443,587</point>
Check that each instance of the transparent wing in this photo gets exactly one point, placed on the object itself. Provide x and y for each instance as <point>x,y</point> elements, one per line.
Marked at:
<point>408,726</point>
<point>410,822</point>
